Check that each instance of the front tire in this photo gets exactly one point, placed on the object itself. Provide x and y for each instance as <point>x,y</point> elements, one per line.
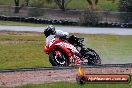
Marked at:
<point>58,60</point>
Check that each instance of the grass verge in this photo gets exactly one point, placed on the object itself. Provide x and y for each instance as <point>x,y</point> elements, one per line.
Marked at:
<point>111,48</point>
<point>11,23</point>
<point>18,55</point>
<point>75,85</point>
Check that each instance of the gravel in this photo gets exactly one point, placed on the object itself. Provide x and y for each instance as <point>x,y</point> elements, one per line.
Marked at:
<point>12,79</point>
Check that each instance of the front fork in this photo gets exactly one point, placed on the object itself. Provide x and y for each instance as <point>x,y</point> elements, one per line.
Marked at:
<point>57,53</point>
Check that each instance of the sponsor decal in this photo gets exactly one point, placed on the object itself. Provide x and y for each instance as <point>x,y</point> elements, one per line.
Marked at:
<point>84,77</point>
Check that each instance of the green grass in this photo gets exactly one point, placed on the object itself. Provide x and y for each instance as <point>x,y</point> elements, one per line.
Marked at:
<point>22,38</point>
<point>102,5</point>
<point>111,48</point>
<point>23,55</point>
<point>108,5</point>
<point>79,4</point>
<point>75,85</point>
<point>6,2</point>
<point>11,23</point>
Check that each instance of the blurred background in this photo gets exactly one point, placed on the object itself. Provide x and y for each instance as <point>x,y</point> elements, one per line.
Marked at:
<point>103,13</point>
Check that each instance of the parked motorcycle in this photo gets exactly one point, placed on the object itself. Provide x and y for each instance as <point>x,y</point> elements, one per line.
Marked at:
<point>63,53</point>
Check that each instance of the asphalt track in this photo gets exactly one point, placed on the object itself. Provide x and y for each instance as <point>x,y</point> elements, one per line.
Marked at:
<point>127,65</point>
<point>19,78</point>
<point>85,30</point>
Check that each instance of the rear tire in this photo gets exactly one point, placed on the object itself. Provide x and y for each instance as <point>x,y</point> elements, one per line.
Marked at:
<point>92,57</point>
<point>58,61</point>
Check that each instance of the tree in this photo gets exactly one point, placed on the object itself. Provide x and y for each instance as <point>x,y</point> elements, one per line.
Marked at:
<point>36,10</point>
<point>113,1</point>
<point>125,7</point>
<point>18,6</point>
<point>62,4</point>
<point>92,3</point>
<point>27,2</point>
<point>89,18</point>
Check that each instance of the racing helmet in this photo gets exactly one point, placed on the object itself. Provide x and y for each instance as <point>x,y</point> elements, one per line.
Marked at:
<point>50,30</point>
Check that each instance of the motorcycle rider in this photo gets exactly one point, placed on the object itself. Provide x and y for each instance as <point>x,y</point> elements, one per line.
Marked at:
<point>50,30</point>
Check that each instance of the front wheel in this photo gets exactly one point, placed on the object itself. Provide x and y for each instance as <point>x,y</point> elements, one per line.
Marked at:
<point>58,59</point>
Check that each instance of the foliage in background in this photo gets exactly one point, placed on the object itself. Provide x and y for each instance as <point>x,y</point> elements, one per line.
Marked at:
<point>73,4</point>
<point>36,11</point>
<point>89,17</point>
<point>92,3</point>
<point>18,6</point>
<point>62,4</point>
<point>125,6</point>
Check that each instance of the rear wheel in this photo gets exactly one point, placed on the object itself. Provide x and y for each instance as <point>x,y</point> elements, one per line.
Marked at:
<point>92,57</point>
<point>58,60</point>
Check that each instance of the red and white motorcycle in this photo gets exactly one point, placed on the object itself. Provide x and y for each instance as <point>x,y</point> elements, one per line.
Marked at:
<point>63,53</point>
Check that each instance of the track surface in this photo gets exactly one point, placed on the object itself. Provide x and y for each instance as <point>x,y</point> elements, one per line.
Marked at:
<point>85,30</point>
<point>17,77</point>
<point>64,68</point>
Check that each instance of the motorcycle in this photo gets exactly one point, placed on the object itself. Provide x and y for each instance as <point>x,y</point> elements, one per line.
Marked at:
<point>63,53</point>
